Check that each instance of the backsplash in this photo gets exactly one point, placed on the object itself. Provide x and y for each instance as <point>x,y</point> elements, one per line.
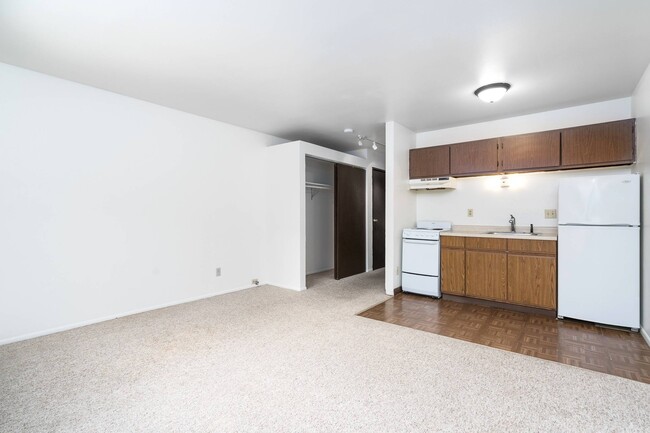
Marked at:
<point>528,195</point>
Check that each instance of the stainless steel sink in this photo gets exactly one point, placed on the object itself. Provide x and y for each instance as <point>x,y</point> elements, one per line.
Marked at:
<point>513,233</point>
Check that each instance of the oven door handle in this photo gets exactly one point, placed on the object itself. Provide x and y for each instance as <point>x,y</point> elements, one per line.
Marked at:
<point>418,241</point>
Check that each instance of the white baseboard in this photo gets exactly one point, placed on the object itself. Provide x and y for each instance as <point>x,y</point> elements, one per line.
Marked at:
<point>645,336</point>
<point>116,316</point>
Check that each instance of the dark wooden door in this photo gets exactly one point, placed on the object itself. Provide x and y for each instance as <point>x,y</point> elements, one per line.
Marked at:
<point>538,151</point>
<point>602,144</point>
<point>378,218</point>
<point>473,157</point>
<point>349,221</point>
<point>429,162</point>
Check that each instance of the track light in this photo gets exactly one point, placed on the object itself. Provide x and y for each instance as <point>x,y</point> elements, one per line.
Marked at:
<point>363,138</point>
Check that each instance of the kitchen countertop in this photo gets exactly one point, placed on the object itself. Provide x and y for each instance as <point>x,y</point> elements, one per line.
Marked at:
<point>545,233</point>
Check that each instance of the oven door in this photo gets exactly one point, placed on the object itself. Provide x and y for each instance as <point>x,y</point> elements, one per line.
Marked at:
<point>421,257</point>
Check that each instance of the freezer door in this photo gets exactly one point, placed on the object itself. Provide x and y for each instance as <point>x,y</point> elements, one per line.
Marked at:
<point>602,200</point>
<point>599,274</point>
<point>420,257</point>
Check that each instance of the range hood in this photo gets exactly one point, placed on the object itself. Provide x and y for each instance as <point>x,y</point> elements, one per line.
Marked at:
<point>433,183</point>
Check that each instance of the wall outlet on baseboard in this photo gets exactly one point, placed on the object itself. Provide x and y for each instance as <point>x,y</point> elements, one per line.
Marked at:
<point>470,212</point>
<point>218,272</point>
<point>550,213</point>
<point>255,282</point>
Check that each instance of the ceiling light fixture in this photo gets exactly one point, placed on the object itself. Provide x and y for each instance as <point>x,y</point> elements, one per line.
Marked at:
<point>348,130</point>
<point>492,92</point>
<point>374,145</point>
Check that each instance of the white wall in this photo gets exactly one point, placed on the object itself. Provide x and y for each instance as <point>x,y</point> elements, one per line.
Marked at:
<point>319,208</point>
<point>529,194</point>
<point>281,214</point>
<point>527,198</point>
<point>111,205</point>
<point>400,201</point>
<point>616,109</point>
<point>284,261</point>
<point>641,110</point>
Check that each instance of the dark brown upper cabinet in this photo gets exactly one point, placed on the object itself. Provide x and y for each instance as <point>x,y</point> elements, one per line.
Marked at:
<point>473,157</point>
<point>610,143</point>
<point>429,162</point>
<point>599,145</point>
<point>538,151</point>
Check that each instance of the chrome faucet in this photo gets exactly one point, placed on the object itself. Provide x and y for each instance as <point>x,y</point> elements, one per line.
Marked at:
<point>512,221</point>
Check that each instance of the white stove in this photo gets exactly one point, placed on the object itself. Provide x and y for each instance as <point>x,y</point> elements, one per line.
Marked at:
<point>421,258</point>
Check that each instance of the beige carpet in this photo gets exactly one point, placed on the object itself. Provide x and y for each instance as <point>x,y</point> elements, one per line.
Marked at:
<point>273,360</point>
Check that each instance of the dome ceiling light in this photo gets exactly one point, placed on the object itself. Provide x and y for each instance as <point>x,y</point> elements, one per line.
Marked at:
<point>492,92</point>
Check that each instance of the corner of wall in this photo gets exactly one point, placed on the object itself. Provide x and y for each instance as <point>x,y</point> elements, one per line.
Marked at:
<point>400,201</point>
<point>641,111</point>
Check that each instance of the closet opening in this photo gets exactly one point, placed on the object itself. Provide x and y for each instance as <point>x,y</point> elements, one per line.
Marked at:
<point>319,221</point>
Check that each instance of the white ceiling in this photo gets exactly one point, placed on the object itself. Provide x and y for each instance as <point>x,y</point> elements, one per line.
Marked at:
<point>306,69</point>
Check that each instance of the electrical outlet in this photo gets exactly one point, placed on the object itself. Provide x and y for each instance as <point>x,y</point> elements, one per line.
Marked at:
<point>218,272</point>
<point>550,213</point>
<point>470,212</point>
<point>255,281</point>
<point>397,271</point>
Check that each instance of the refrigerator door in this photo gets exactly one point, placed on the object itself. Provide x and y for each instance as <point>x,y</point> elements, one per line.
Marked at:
<point>602,200</point>
<point>599,274</point>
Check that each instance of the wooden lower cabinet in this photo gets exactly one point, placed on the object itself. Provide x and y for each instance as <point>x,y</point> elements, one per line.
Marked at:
<point>452,264</point>
<point>522,272</point>
<point>532,281</point>
<point>486,273</point>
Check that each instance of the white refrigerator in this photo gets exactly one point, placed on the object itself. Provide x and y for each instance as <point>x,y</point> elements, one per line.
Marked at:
<point>599,255</point>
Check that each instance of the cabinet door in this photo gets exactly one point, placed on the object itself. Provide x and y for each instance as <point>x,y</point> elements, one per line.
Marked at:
<point>452,271</point>
<point>530,151</point>
<point>429,162</point>
<point>598,145</point>
<point>486,275</point>
<point>532,281</point>
<point>473,157</point>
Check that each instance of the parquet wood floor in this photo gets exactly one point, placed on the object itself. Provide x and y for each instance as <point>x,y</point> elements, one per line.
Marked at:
<point>576,343</point>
